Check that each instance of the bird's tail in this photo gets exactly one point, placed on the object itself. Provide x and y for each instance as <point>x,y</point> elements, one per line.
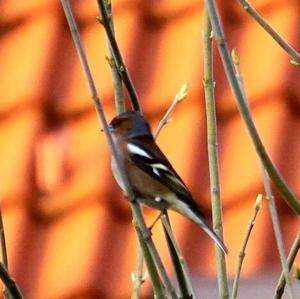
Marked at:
<point>214,236</point>
<point>193,213</point>
<point>198,217</point>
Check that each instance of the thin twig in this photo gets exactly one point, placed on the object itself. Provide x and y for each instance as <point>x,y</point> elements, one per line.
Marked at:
<point>10,284</point>
<point>278,235</point>
<point>179,97</point>
<point>159,266</point>
<point>137,277</point>
<point>267,27</point>
<point>3,243</point>
<point>105,20</point>
<point>184,281</point>
<point>267,187</point>
<point>213,158</point>
<point>273,172</point>
<point>182,272</point>
<point>4,258</point>
<point>242,253</point>
<point>152,268</point>
<point>297,272</point>
<point>165,119</point>
<point>136,210</point>
<point>290,260</point>
<point>117,82</point>
<point>238,73</point>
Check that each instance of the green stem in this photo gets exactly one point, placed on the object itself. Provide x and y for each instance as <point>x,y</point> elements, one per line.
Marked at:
<point>145,238</point>
<point>151,267</point>
<point>165,119</point>
<point>267,27</point>
<point>290,260</point>
<point>277,232</point>
<point>138,278</point>
<point>267,187</point>
<point>242,253</point>
<point>9,283</point>
<point>273,172</point>
<point>117,82</point>
<point>105,18</point>
<point>3,242</point>
<point>136,210</point>
<point>3,252</point>
<point>179,97</point>
<point>181,270</point>
<point>213,154</point>
<point>177,259</point>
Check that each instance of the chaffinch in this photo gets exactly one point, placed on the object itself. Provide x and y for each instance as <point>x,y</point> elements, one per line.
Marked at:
<point>153,179</point>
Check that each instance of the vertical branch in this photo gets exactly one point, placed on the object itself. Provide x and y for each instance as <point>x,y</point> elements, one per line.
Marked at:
<point>183,278</point>
<point>105,18</point>
<point>9,283</point>
<point>292,255</point>
<point>213,154</point>
<point>179,263</point>
<point>141,227</point>
<point>3,252</point>
<point>157,285</point>
<point>3,242</point>
<point>137,277</point>
<point>117,82</point>
<point>242,253</point>
<point>267,27</point>
<point>278,235</point>
<point>267,187</point>
<point>287,194</point>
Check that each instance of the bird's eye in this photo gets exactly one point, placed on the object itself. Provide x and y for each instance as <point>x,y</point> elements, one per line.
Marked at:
<point>116,122</point>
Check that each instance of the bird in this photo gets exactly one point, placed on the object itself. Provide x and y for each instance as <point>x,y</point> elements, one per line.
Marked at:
<point>153,180</point>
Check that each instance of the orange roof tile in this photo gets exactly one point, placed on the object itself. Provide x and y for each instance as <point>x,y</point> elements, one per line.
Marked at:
<point>68,228</point>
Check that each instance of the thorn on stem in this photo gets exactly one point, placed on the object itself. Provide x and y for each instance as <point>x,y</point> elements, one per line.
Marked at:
<point>110,61</point>
<point>121,68</point>
<point>100,20</point>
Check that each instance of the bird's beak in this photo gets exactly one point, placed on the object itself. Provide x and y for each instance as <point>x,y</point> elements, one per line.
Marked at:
<point>110,129</point>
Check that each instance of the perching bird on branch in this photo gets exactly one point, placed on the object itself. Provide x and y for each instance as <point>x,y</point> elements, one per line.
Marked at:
<point>152,178</point>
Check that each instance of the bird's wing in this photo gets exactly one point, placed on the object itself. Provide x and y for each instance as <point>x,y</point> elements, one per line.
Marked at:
<point>151,160</point>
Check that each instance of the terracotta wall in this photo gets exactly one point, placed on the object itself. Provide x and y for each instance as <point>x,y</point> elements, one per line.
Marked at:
<point>68,228</point>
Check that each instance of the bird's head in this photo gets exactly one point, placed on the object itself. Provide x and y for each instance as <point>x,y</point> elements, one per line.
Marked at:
<point>130,125</point>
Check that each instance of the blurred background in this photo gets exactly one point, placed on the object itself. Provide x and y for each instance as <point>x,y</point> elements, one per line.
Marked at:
<point>68,229</point>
